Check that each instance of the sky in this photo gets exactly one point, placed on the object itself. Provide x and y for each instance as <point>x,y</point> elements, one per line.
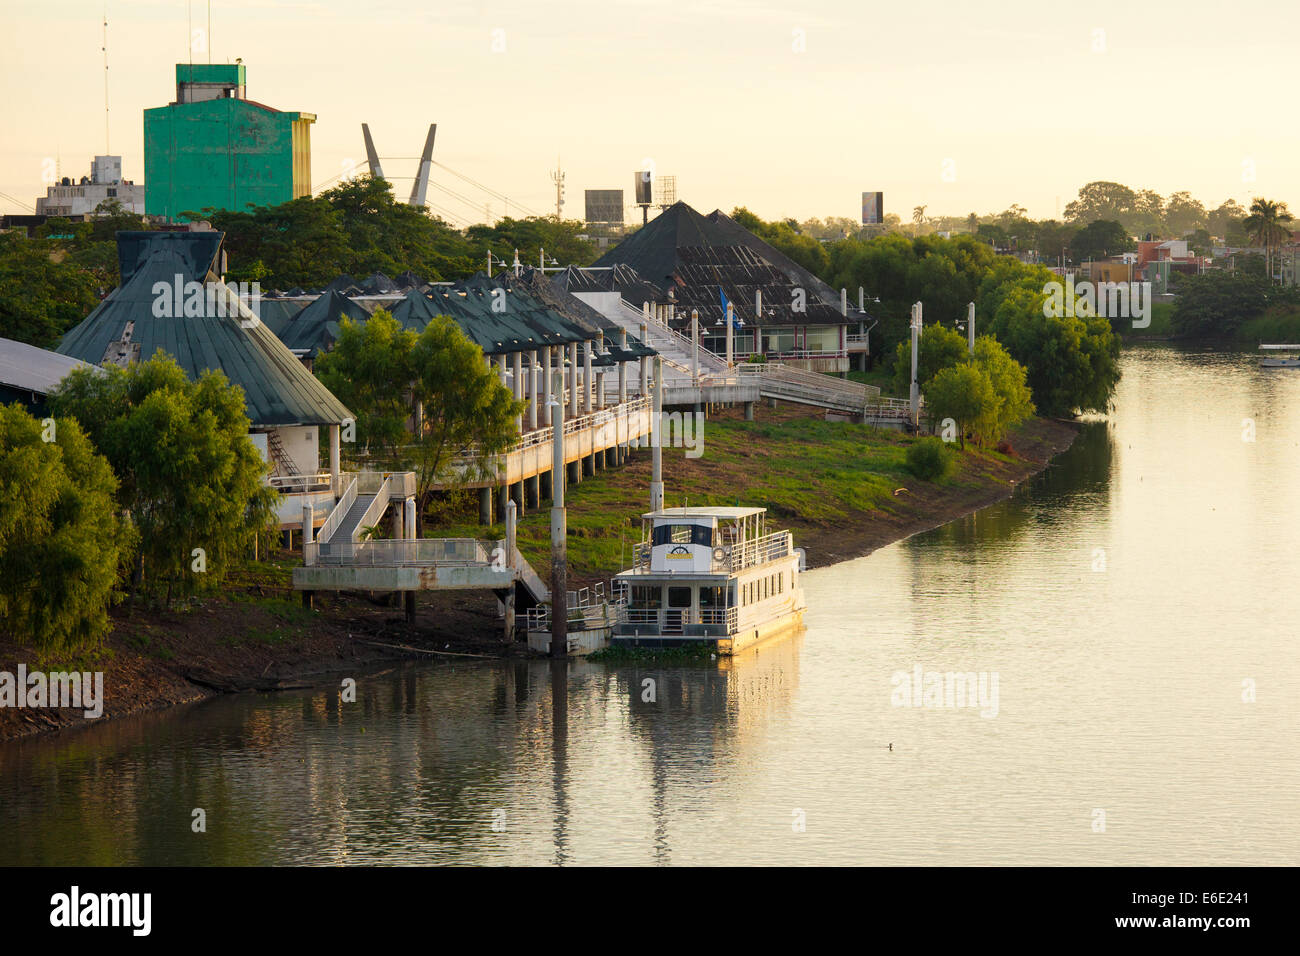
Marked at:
<point>792,110</point>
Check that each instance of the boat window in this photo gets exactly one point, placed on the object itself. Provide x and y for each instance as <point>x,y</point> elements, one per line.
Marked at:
<point>679,597</point>
<point>683,534</point>
<point>712,597</point>
<point>647,596</point>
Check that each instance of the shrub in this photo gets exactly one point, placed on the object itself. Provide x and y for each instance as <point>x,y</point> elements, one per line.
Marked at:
<point>929,459</point>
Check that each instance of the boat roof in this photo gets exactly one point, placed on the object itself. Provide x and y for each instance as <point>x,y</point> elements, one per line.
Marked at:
<point>1289,347</point>
<point>728,513</point>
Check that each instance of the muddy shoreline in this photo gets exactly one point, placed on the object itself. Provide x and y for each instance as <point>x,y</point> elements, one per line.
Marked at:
<point>264,642</point>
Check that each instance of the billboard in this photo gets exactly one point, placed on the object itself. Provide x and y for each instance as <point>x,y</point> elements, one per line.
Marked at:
<point>873,208</point>
<point>603,205</point>
<point>644,185</point>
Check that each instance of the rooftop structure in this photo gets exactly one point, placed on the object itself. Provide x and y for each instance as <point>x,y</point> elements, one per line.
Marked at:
<point>68,198</point>
<point>213,147</point>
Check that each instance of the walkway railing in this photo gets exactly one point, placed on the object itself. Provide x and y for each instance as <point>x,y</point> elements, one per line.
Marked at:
<point>420,552</point>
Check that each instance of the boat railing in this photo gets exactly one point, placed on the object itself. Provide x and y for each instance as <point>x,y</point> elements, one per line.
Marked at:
<point>705,620</point>
<point>747,554</point>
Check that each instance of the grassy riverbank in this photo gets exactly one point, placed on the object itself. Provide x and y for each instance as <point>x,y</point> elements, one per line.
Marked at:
<point>841,488</point>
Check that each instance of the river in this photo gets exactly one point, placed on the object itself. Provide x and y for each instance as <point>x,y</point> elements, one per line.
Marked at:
<point>1132,605</point>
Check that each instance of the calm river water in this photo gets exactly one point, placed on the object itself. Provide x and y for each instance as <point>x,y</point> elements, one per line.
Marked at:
<point>1135,605</point>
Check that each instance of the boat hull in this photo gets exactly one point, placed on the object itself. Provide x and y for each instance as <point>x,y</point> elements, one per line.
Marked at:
<point>1279,363</point>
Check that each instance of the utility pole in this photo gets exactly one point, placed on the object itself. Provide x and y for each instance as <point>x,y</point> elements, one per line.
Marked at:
<point>559,527</point>
<point>970,326</point>
<point>916,350</point>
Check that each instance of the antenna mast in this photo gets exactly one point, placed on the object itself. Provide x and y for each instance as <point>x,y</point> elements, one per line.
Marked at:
<point>106,147</point>
<point>557,177</point>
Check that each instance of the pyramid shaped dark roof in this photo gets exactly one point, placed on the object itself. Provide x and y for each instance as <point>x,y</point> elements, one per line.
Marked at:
<point>314,329</point>
<point>277,389</point>
<point>700,258</point>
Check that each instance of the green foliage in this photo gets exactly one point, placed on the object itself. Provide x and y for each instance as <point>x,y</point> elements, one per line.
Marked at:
<point>43,290</point>
<point>1099,239</point>
<point>189,475</point>
<point>962,393</point>
<point>1217,304</point>
<point>61,541</point>
<point>369,369</point>
<point>1013,402</point>
<point>1072,363</point>
<point>385,373</point>
<point>786,236</point>
<point>941,347</point>
<point>929,459</point>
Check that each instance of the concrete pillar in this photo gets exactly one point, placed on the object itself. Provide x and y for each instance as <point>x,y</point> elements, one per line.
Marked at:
<point>589,465</point>
<point>409,601</point>
<point>308,520</point>
<point>749,411</point>
<point>622,368</point>
<point>586,378</point>
<point>573,379</point>
<point>656,440</point>
<point>509,600</point>
<point>532,492</point>
<point>503,498</point>
<point>307,599</point>
<point>575,471</point>
<point>485,506</point>
<point>517,385</point>
<point>408,514</point>
<point>600,389</point>
<point>335,455</point>
<point>544,485</point>
<point>397,518</point>
<point>517,497</point>
<point>546,384</point>
<point>611,456</point>
<point>532,389</point>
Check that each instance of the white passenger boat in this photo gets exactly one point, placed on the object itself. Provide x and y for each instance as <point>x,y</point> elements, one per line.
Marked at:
<point>1280,361</point>
<point>712,576</point>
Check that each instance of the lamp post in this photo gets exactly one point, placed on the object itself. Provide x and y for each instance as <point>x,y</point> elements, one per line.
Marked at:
<point>559,527</point>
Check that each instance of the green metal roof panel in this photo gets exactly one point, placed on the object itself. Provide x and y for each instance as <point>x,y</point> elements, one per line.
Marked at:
<point>278,390</point>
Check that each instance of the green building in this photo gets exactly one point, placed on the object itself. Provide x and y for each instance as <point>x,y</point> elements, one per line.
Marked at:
<point>215,147</point>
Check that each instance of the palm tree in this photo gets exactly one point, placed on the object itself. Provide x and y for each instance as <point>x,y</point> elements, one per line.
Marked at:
<point>1264,225</point>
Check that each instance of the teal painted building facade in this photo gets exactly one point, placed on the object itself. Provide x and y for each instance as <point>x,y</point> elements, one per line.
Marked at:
<point>213,147</point>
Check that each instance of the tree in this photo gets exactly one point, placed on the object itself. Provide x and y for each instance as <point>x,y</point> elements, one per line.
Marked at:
<point>1184,215</point>
<point>189,476</point>
<point>1225,223</point>
<point>370,368</point>
<point>1214,305</point>
<point>1099,239</point>
<point>1072,363</point>
<point>1007,378</point>
<point>466,408</point>
<point>61,541</point>
<point>1266,226</point>
<point>941,348</point>
<point>390,377</point>
<point>1101,200</point>
<point>962,393</point>
<point>42,293</point>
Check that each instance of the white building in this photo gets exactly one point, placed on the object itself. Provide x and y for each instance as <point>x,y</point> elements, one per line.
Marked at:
<point>82,198</point>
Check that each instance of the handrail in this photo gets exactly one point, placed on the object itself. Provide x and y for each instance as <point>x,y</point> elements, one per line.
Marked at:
<point>707,356</point>
<point>420,552</point>
<point>318,481</point>
<point>335,518</point>
<point>374,512</point>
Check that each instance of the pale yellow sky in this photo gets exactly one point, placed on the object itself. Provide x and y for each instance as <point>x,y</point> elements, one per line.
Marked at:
<point>791,109</point>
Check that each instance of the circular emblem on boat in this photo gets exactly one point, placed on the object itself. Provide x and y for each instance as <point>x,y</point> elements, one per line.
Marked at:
<point>679,551</point>
<point>719,554</point>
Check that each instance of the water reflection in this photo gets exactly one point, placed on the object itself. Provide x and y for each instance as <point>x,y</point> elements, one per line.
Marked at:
<point>1122,599</point>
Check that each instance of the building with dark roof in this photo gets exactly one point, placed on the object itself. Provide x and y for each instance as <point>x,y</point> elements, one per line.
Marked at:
<point>700,264</point>
<point>172,300</point>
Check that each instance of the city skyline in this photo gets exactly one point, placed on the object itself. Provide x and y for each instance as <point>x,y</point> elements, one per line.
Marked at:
<point>1011,105</point>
